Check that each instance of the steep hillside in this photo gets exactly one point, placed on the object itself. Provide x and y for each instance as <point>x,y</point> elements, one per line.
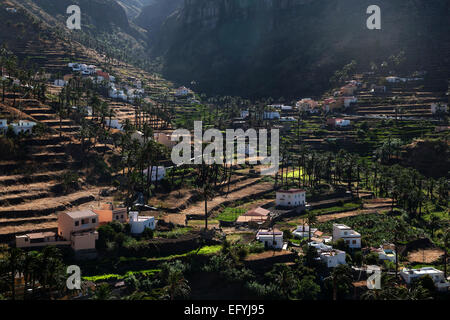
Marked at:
<point>153,16</point>
<point>292,47</point>
<point>133,7</point>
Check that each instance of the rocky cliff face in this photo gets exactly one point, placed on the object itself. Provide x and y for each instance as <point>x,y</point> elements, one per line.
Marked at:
<point>291,47</point>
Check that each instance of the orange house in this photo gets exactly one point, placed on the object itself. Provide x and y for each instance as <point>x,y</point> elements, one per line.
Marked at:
<point>107,213</point>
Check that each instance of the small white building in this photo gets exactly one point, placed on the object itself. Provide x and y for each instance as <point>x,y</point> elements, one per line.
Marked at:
<point>271,115</point>
<point>182,91</point>
<point>303,231</point>
<point>288,119</point>
<point>158,172</point>
<point>409,275</point>
<point>113,123</point>
<point>351,237</point>
<point>245,114</point>
<point>320,246</point>
<point>270,238</point>
<point>11,10</point>
<point>342,123</point>
<point>386,252</point>
<point>333,258</point>
<point>23,126</point>
<point>139,223</point>
<point>291,198</point>
<point>438,108</point>
<point>59,83</point>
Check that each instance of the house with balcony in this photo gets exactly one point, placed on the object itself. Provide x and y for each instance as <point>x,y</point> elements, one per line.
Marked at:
<point>351,237</point>
<point>79,227</point>
<point>271,238</point>
<point>139,223</point>
<point>410,275</point>
<point>291,198</point>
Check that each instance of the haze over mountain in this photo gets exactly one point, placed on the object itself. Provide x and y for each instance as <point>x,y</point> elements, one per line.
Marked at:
<point>291,47</point>
<point>133,7</point>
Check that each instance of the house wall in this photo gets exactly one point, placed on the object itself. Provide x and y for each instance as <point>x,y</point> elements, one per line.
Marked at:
<point>84,241</point>
<point>290,199</point>
<point>268,241</point>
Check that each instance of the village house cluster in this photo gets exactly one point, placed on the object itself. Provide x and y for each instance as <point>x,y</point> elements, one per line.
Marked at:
<point>78,229</point>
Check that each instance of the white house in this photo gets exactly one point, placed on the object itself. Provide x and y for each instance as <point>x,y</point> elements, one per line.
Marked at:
<point>438,108</point>
<point>11,10</point>
<point>290,198</point>
<point>182,91</point>
<point>320,246</point>
<point>139,223</point>
<point>342,123</point>
<point>386,252</point>
<point>245,114</point>
<point>271,115</point>
<point>333,258</point>
<point>351,237</point>
<point>287,119</point>
<point>113,123</point>
<point>409,275</point>
<point>23,126</point>
<point>270,238</point>
<point>303,231</point>
<point>158,172</point>
<point>59,83</point>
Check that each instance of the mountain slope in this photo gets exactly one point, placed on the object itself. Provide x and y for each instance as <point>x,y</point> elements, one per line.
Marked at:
<point>133,7</point>
<point>292,47</point>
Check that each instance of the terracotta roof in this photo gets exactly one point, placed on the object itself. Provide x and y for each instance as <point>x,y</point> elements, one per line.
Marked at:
<point>257,212</point>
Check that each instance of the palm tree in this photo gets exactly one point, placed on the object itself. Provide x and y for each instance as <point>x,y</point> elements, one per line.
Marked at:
<point>177,285</point>
<point>102,292</point>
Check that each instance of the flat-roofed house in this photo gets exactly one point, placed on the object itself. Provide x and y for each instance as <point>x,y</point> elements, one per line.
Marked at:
<point>23,126</point>
<point>139,223</point>
<point>290,198</point>
<point>271,238</point>
<point>79,228</point>
<point>351,237</point>
<point>333,258</point>
<point>410,275</point>
<point>39,239</point>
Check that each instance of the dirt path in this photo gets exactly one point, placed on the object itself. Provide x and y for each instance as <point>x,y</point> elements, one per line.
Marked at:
<point>198,207</point>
